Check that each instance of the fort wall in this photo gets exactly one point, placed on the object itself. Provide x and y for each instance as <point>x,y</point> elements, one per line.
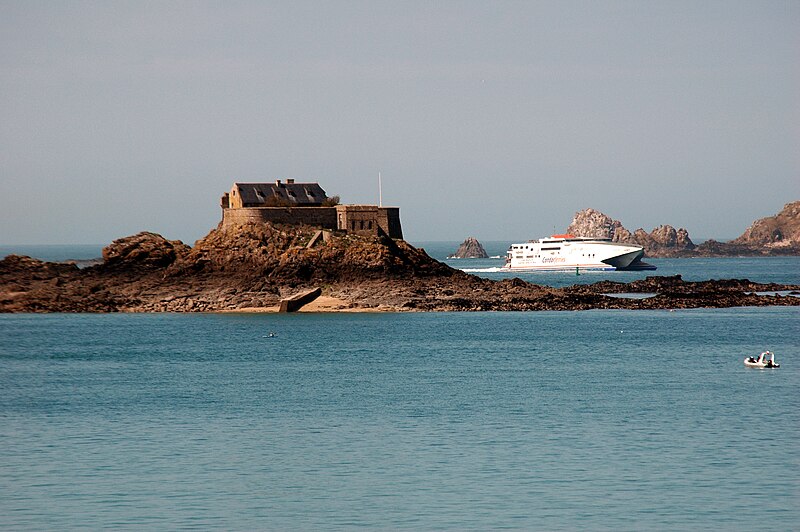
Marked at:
<point>392,221</point>
<point>324,217</point>
<point>369,220</point>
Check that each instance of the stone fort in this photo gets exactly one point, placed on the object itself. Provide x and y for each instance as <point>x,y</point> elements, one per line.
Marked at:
<point>305,203</point>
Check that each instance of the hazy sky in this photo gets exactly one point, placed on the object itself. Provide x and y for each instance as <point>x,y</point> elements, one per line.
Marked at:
<point>493,119</point>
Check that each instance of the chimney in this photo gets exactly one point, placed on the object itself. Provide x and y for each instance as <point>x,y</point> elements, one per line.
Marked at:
<point>278,182</point>
<point>290,181</point>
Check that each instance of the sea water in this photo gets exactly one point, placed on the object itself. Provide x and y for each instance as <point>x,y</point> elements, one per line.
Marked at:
<point>540,420</point>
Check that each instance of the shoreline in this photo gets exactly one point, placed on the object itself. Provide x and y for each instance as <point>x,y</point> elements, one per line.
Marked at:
<point>321,305</point>
<point>251,270</point>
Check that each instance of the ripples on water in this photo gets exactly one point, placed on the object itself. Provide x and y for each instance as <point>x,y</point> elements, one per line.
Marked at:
<point>577,420</point>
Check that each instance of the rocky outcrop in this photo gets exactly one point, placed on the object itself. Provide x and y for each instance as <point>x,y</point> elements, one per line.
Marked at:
<point>245,266</point>
<point>592,223</point>
<point>470,249</point>
<point>774,232</point>
<point>663,241</point>
<point>143,250</point>
<point>254,266</point>
<point>773,235</point>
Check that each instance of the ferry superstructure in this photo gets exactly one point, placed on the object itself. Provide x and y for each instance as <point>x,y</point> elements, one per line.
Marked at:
<point>568,252</point>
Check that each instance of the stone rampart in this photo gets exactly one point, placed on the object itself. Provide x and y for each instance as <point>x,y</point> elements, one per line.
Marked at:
<point>391,217</point>
<point>355,219</point>
<point>369,219</point>
<point>324,217</point>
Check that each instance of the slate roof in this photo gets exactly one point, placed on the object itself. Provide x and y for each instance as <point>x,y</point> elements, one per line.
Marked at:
<point>307,194</point>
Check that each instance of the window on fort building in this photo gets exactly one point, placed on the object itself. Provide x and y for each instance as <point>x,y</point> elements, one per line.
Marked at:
<point>369,225</point>
<point>353,225</point>
<point>362,224</point>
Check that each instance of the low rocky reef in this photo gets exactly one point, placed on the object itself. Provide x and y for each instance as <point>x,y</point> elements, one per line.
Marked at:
<point>254,266</point>
<point>773,235</point>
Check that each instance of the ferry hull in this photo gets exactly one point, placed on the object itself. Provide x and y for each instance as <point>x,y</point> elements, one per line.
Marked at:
<point>630,262</point>
<point>564,268</point>
<point>568,253</point>
<point>632,267</point>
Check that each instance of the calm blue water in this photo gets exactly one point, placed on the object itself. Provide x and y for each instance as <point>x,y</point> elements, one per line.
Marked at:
<point>573,420</point>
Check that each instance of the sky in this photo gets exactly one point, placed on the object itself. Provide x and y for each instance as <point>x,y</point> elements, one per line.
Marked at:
<point>496,119</point>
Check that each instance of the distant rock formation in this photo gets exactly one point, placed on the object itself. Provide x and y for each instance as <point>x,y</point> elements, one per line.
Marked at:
<point>779,231</point>
<point>469,249</point>
<point>773,235</point>
<point>663,241</point>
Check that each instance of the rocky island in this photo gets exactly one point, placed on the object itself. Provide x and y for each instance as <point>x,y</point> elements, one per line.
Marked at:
<point>773,235</point>
<point>253,266</point>
<point>286,242</point>
<point>469,249</point>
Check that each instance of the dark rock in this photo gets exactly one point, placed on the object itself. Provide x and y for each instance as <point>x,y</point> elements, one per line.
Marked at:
<point>143,249</point>
<point>470,249</point>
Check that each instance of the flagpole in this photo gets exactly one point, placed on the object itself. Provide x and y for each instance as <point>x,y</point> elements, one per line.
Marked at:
<point>380,191</point>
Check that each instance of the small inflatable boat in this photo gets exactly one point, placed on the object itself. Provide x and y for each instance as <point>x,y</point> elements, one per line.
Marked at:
<point>764,360</point>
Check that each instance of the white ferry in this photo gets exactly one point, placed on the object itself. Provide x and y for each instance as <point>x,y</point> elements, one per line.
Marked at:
<point>568,252</point>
